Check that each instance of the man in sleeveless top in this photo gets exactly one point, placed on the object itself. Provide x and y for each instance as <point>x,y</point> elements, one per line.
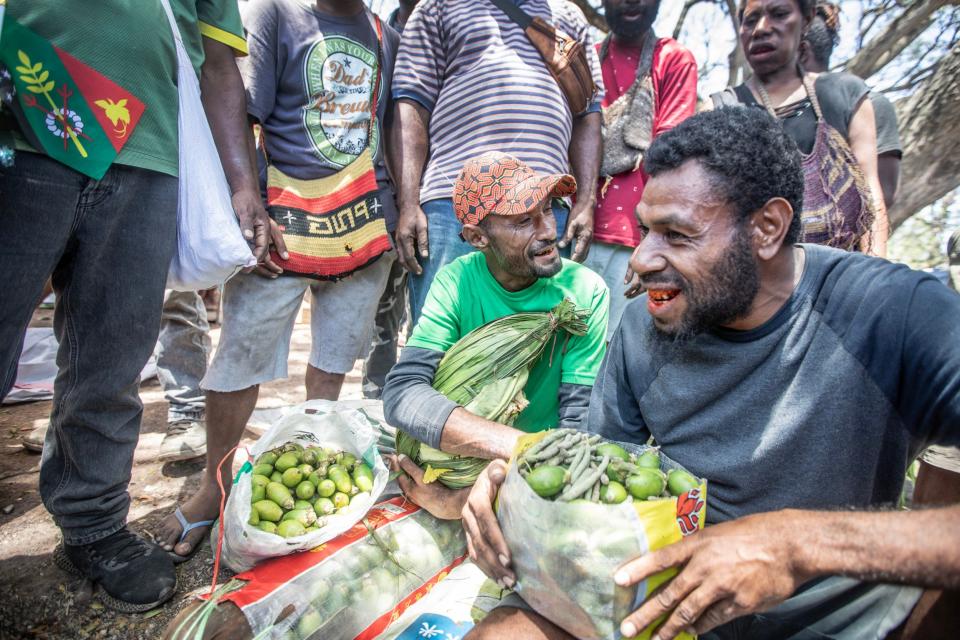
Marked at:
<point>650,86</point>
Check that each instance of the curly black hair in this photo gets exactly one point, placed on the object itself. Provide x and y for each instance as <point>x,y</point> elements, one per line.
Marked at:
<point>745,149</point>
<point>821,41</point>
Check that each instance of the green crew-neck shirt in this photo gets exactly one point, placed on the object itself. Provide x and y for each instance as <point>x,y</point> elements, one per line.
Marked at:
<point>129,42</point>
<point>464,295</point>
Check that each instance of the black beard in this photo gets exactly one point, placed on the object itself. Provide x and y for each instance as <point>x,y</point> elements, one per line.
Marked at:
<point>725,295</point>
<point>632,30</point>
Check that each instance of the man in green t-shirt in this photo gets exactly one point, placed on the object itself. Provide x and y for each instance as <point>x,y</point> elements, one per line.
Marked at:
<point>506,213</point>
<point>106,236</point>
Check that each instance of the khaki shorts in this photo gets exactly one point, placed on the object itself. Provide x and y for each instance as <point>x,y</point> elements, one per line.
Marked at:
<point>947,458</point>
<point>259,314</point>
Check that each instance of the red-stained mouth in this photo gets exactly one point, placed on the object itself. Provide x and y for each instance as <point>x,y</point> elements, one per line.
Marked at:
<point>661,296</point>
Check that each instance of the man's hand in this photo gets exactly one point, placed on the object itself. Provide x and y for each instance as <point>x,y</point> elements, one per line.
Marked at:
<point>728,570</point>
<point>254,221</point>
<point>440,501</point>
<point>580,230</point>
<point>485,542</point>
<point>412,236</point>
<point>267,267</point>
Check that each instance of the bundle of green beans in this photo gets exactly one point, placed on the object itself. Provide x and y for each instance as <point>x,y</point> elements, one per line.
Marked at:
<point>485,372</point>
<point>568,465</point>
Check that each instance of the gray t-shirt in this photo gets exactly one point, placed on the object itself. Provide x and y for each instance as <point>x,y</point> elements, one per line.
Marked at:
<point>309,78</point>
<point>888,133</point>
<point>821,407</point>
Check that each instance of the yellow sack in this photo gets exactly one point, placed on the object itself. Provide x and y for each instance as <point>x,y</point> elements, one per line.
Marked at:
<point>565,554</point>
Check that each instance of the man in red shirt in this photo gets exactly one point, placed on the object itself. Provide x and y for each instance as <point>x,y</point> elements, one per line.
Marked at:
<point>651,86</point>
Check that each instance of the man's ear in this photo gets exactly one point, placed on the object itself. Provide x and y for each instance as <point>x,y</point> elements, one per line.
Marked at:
<point>475,236</point>
<point>771,222</point>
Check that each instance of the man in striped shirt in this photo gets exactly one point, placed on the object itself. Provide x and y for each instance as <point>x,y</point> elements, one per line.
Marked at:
<point>468,81</point>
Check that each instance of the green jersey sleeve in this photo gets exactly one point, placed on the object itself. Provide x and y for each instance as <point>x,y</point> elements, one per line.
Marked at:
<point>220,20</point>
<point>584,354</point>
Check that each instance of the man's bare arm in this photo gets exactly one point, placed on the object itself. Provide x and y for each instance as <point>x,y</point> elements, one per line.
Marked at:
<point>919,547</point>
<point>467,434</point>
<point>754,563</point>
<point>586,145</point>
<point>225,105</point>
<point>408,156</point>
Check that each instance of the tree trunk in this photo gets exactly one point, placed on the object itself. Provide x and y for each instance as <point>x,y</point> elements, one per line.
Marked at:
<point>897,36</point>
<point>930,136</point>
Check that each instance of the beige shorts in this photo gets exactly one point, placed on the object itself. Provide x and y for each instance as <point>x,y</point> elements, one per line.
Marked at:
<point>947,458</point>
<point>259,314</point>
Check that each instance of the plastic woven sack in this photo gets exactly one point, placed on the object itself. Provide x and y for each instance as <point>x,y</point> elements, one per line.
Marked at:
<point>453,607</point>
<point>354,586</point>
<point>210,245</point>
<point>318,422</point>
<point>565,554</point>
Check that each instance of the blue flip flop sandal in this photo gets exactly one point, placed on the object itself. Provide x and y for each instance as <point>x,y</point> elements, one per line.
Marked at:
<point>187,528</point>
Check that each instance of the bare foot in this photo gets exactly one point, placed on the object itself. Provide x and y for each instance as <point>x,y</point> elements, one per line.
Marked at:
<point>203,505</point>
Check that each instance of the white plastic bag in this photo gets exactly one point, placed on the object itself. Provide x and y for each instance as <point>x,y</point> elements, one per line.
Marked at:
<point>331,425</point>
<point>210,245</point>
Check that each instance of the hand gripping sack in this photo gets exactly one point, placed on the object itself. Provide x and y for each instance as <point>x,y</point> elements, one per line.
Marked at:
<point>565,554</point>
<point>210,245</point>
<point>318,422</point>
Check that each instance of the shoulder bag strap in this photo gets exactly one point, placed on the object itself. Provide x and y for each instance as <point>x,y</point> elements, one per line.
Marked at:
<point>514,12</point>
<point>378,29</point>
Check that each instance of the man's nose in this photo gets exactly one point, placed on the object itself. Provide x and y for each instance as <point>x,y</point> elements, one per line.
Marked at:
<point>546,229</point>
<point>647,257</point>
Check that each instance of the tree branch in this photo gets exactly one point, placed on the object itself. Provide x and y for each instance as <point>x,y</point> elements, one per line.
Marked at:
<point>899,33</point>
<point>593,16</point>
<point>687,5</point>
<point>737,60</point>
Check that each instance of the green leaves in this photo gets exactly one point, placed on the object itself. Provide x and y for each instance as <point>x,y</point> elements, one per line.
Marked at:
<point>486,371</point>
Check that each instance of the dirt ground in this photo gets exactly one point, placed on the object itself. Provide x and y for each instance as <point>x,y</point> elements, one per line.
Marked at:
<point>38,600</point>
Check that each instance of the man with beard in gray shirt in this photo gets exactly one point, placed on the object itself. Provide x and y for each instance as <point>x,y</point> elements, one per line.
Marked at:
<point>799,380</point>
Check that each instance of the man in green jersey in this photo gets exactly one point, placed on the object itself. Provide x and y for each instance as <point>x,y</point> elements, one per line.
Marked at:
<point>91,199</point>
<point>506,213</point>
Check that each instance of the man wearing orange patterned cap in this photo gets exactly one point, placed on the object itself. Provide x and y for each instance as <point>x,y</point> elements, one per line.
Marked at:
<point>506,213</point>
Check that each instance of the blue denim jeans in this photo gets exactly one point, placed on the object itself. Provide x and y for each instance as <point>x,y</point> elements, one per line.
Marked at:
<point>445,245</point>
<point>182,352</point>
<point>108,245</point>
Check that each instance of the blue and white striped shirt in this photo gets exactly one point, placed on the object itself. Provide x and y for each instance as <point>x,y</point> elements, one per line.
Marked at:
<point>486,86</point>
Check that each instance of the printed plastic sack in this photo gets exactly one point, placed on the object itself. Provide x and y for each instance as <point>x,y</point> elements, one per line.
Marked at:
<point>451,609</point>
<point>354,586</point>
<point>565,554</point>
<point>318,422</point>
<point>210,245</point>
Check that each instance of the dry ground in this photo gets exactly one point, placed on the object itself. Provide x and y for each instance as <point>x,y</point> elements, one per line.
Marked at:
<point>37,600</point>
